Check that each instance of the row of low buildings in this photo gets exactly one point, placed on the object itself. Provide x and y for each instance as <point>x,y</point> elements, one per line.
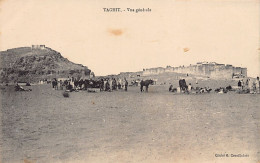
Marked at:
<point>207,69</point>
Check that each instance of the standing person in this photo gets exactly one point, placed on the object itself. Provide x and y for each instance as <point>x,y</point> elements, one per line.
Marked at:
<point>247,83</point>
<point>58,85</point>
<point>61,85</point>
<point>119,83</point>
<point>72,83</point>
<point>110,81</point>
<point>114,84</point>
<point>242,84</point>
<point>189,87</point>
<point>107,86</point>
<point>257,85</point>
<point>185,87</point>
<point>250,85</point>
<point>101,85</point>
<point>126,84</point>
<point>53,83</point>
<point>123,84</point>
<point>141,85</point>
<point>239,84</point>
<point>254,86</point>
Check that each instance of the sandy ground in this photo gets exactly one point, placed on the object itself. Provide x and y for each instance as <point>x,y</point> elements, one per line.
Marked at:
<point>158,126</point>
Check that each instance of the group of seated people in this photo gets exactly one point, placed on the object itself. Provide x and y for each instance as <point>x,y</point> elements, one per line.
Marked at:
<point>184,88</point>
<point>17,87</point>
<point>249,86</point>
<point>190,89</point>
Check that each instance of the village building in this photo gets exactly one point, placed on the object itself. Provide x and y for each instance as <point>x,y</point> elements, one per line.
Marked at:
<point>207,69</point>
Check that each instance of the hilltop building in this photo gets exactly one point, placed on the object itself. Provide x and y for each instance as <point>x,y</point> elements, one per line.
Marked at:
<point>36,47</point>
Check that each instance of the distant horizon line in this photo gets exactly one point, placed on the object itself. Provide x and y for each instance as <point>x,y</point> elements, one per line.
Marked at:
<point>185,65</point>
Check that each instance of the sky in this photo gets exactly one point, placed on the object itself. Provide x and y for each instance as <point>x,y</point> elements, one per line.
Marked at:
<point>175,32</point>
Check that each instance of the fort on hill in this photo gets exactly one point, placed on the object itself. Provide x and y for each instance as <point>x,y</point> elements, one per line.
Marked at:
<point>208,69</point>
<point>36,47</point>
<point>38,62</point>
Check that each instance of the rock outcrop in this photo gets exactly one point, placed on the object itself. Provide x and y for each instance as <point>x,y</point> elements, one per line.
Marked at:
<point>30,64</point>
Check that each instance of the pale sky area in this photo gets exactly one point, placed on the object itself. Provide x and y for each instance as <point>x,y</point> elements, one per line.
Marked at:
<point>224,31</point>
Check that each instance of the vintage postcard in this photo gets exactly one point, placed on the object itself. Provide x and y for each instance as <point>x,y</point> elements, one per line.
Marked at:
<point>144,81</point>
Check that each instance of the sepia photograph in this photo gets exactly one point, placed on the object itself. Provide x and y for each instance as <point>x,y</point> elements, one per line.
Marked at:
<point>129,81</point>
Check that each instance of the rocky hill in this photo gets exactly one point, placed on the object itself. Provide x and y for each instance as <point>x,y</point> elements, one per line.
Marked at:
<point>30,64</point>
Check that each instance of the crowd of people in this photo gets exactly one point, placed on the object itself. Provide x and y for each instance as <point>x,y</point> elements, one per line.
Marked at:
<point>249,85</point>
<point>103,84</point>
<point>113,84</point>
<point>245,85</point>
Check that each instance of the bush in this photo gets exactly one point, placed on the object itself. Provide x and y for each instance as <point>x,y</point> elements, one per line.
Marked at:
<point>66,94</point>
